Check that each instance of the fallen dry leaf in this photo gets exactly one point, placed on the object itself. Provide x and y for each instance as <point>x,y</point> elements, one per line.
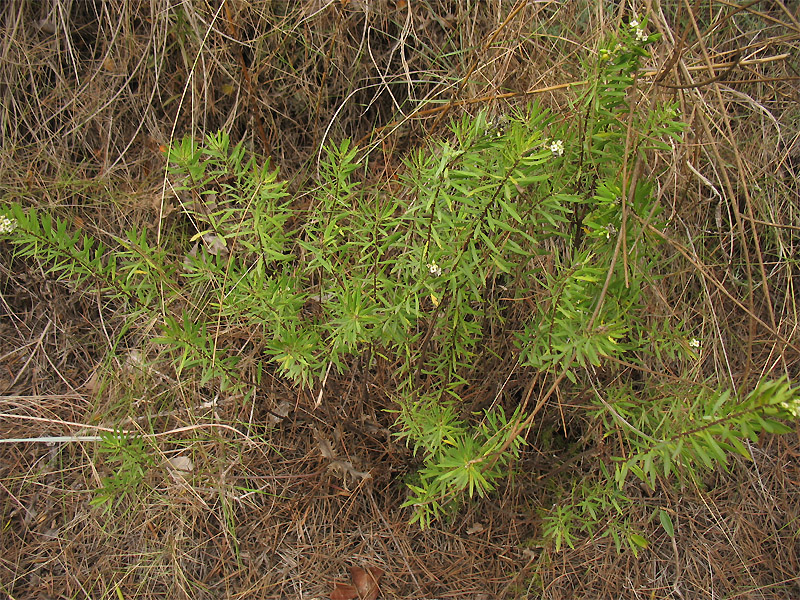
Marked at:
<point>365,585</point>
<point>345,467</point>
<point>343,591</point>
<point>180,467</point>
<point>366,581</point>
<point>183,464</point>
<point>280,412</point>
<point>476,528</point>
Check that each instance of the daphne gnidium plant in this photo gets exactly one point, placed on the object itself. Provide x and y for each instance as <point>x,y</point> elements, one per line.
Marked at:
<point>553,211</point>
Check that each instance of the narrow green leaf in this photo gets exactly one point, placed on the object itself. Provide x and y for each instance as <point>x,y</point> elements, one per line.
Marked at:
<point>666,523</point>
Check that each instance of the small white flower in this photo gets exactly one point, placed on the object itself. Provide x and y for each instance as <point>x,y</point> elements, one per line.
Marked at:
<point>434,269</point>
<point>557,147</point>
<point>694,343</point>
<point>641,35</point>
<point>793,406</point>
<point>7,225</point>
<point>634,24</point>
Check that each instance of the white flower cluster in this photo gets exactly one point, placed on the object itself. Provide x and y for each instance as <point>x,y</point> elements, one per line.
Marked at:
<point>7,225</point>
<point>434,269</point>
<point>557,147</point>
<point>793,406</point>
<point>641,34</point>
<point>694,343</point>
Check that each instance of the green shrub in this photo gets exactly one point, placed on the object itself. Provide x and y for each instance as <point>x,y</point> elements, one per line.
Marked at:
<point>543,207</point>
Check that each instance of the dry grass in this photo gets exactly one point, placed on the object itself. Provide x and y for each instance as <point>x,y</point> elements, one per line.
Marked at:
<point>90,92</point>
